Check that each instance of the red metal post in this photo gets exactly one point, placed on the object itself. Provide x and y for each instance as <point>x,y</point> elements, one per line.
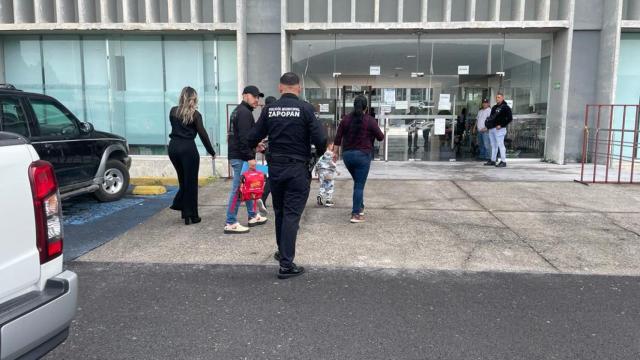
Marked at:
<point>584,141</point>
<point>606,175</point>
<point>624,118</point>
<point>634,152</point>
<point>595,152</point>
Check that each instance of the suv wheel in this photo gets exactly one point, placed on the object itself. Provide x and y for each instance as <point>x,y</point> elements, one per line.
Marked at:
<point>116,182</point>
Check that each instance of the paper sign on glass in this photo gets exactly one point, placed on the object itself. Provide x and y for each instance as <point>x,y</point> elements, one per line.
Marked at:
<point>389,96</point>
<point>402,105</point>
<point>439,126</point>
<point>324,108</point>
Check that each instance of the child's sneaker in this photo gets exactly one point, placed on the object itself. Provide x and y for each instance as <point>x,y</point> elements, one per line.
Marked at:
<point>320,200</point>
<point>328,203</point>
<point>235,229</point>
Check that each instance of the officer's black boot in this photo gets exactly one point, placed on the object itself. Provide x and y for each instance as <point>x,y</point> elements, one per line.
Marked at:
<point>290,272</point>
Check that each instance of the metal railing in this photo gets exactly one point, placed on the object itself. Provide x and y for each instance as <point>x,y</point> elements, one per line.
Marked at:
<point>610,144</point>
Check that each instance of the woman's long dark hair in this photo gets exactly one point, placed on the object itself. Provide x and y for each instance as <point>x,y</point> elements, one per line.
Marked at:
<point>357,115</point>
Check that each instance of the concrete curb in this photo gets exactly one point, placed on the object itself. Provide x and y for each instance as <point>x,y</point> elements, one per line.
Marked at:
<point>166,181</point>
<point>149,190</point>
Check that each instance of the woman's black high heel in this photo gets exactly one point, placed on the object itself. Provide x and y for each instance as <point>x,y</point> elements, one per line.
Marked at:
<point>192,220</point>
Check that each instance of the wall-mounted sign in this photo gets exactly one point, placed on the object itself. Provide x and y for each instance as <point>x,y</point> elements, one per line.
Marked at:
<point>463,69</point>
<point>324,108</point>
<point>439,126</point>
<point>556,85</point>
<point>374,70</point>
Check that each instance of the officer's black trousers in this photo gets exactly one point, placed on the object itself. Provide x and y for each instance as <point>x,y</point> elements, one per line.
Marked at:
<point>185,158</point>
<point>290,184</point>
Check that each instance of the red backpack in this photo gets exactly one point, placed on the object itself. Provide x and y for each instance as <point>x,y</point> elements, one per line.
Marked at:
<point>251,187</point>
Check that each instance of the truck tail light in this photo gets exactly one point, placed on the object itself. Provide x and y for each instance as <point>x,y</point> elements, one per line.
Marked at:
<point>48,210</point>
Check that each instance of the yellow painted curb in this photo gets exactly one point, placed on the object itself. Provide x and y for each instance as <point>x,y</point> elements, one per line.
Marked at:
<point>166,181</point>
<point>149,190</point>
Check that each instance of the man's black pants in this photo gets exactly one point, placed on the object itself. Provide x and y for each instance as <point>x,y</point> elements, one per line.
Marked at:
<point>290,184</point>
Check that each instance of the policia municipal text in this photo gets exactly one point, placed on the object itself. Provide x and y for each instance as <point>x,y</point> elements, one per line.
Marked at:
<point>291,126</point>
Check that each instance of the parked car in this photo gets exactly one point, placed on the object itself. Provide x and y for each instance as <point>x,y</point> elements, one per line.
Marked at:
<point>84,160</point>
<point>37,298</point>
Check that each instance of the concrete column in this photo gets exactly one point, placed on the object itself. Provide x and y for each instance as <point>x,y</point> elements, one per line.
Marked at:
<point>425,11</point>
<point>471,10</point>
<point>517,10</point>
<point>43,11</point>
<point>129,11</point>
<point>305,11</point>
<point>633,12</point>
<point>376,11</point>
<point>65,11</point>
<point>353,11</point>
<point>543,8</point>
<point>609,51</point>
<point>494,10</point>
<point>241,45</point>
<point>217,11</point>
<point>447,10</point>
<point>6,11</point>
<point>173,11</point>
<point>196,11</point>
<point>400,11</point>
<point>108,11</point>
<point>86,11</point>
<point>284,43</point>
<point>329,11</point>
<point>23,11</point>
<point>151,11</point>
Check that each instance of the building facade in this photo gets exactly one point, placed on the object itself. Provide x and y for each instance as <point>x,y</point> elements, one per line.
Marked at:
<point>120,64</point>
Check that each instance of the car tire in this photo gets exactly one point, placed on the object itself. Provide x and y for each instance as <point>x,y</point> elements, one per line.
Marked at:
<point>115,184</point>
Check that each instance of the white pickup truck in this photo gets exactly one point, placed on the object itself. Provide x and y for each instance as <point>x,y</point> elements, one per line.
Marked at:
<point>37,298</point>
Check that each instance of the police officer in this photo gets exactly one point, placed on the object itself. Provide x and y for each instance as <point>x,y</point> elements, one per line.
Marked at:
<point>291,126</point>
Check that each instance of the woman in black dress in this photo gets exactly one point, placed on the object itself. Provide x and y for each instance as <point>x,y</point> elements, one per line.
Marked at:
<point>186,122</point>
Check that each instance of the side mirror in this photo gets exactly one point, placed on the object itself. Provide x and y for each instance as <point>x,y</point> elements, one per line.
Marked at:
<point>86,127</point>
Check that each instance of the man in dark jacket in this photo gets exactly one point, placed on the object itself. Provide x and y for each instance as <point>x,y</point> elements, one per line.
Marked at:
<point>239,151</point>
<point>497,124</point>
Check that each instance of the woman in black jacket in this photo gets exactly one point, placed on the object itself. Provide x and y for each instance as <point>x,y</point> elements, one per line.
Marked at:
<point>186,122</point>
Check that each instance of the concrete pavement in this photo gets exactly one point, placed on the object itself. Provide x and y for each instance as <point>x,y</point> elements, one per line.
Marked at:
<point>510,226</point>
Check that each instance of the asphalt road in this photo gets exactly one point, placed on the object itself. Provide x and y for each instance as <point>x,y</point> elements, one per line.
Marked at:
<point>150,311</point>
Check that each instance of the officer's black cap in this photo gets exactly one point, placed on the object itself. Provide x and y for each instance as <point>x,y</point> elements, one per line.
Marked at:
<point>253,90</point>
<point>289,79</point>
<point>269,99</point>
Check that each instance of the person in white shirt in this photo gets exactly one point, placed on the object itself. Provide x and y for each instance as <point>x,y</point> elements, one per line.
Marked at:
<point>484,143</point>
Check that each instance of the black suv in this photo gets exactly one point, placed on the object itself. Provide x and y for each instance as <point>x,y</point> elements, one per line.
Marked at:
<point>84,160</point>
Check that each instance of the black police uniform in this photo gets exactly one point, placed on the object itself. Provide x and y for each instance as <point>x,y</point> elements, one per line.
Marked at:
<point>291,126</point>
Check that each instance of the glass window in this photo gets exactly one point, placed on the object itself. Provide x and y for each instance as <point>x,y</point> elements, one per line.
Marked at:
<point>63,71</point>
<point>23,63</point>
<point>12,118</point>
<point>96,87</point>
<point>52,120</point>
<point>412,11</point>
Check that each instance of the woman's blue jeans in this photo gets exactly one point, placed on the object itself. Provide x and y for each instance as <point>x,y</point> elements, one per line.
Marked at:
<point>358,163</point>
